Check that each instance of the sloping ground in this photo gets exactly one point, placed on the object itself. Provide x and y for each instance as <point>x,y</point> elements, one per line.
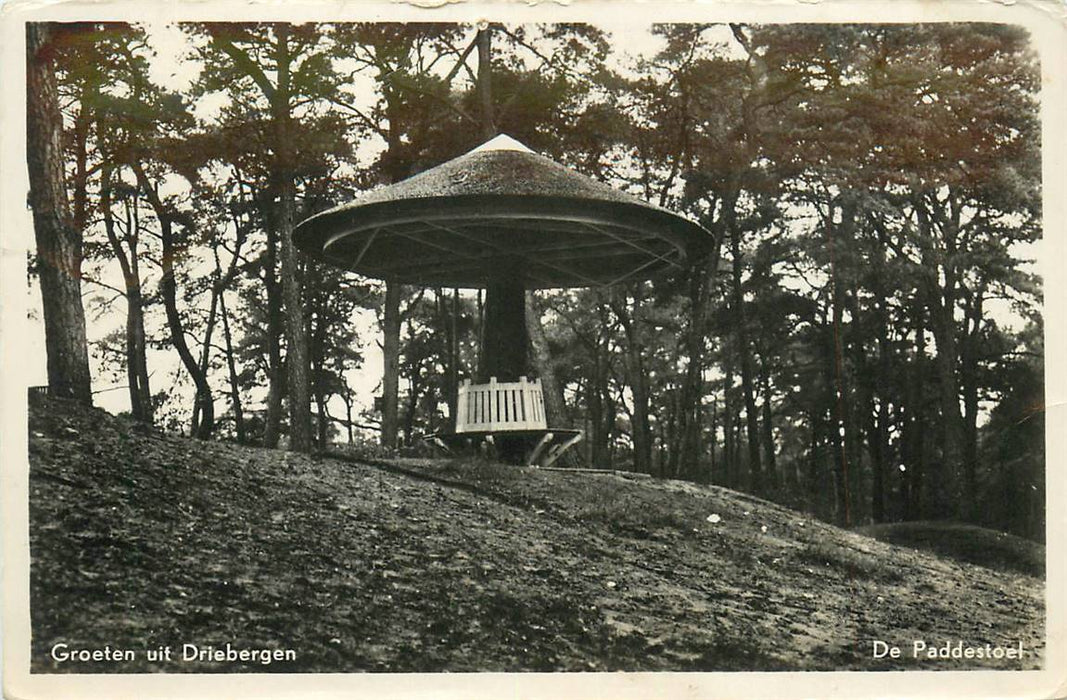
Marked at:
<point>969,543</point>
<point>141,541</point>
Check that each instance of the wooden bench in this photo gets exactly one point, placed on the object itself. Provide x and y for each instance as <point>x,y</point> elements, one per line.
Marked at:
<point>506,412</point>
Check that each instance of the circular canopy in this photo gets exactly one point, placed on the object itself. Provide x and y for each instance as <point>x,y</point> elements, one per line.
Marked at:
<point>501,206</point>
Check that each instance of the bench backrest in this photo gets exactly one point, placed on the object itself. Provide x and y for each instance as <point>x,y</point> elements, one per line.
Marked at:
<point>500,406</point>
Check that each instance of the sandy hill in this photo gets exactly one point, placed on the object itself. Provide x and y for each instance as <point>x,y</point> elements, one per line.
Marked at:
<point>142,540</point>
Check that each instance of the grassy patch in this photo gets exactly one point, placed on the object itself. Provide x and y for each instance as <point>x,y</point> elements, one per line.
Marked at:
<point>854,563</point>
<point>969,543</point>
<point>480,470</point>
<point>620,507</point>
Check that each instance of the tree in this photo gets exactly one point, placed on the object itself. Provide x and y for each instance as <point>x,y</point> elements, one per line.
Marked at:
<point>95,63</point>
<point>59,242</point>
<point>289,54</point>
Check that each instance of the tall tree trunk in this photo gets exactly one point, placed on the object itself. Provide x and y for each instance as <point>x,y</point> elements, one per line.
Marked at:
<point>59,242</point>
<point>917,464</point>
<point>298,370</point>
<point>391,322</point>
<point>729,407</point>
<point>815,448</point>
<point>686,456</point>
<point>275,367</point>
<point>846,443</point>
<point>639,390</point>
<point>391,363</point>
<point>946,488</point>
<point>297,362</point>
<point>322,422</point>
<point>713,466</point>
<point>485,77</point>
<point>837,430</point>
<point>447,317</point>
<point>969,386</point>
<point>769,449</point>
<point>941,302</point>
<point>596,403</point>
<point>136,306</point>
<point>878,436</point>
<point>744,351</point>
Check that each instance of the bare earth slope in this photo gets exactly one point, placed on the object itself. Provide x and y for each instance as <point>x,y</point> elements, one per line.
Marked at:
<point>140,541</point>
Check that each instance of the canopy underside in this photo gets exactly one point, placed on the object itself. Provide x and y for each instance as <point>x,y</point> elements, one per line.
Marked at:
<point>465,251</point>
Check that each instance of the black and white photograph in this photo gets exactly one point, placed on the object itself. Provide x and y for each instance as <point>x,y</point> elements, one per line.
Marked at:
<point>585,342</point>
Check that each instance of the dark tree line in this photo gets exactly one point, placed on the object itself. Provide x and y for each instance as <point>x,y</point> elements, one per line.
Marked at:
<point>863,340</point>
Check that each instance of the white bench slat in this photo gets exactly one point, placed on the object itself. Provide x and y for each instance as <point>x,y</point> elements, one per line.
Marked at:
<point>500,406</point>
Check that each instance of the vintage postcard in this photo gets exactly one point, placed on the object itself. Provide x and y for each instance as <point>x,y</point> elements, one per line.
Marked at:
<point>600,349</point>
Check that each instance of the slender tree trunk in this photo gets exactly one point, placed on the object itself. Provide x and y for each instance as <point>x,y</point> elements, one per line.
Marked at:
<point>541,362</point>
<point>969,385</point>
<point>713,466</point>
<point>639,389</point>
<point>918,504</point>
<point>769,449</point>
<point>415,387</point>
<point>209,331</point>
<point>346,396</point>
<point>231,365</point>
<point>169,289</point>
<point>391,360</point>
<point>136,307</point>
<point>744,355</point>
<point>447,317</point>
<point>844,437</point>
<point>136,365</point>
<point>598,409</point>
<point>729,463</point>
<point>878,436</point>
<point>275,367</point>
<point>813,491</point>
<point>322,423</point>
<point>687,456</point>
<point>837,430</point>
<point>59,242</point>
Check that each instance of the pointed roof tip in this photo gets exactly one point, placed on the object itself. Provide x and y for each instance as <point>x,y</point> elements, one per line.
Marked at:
<point>503,142</point>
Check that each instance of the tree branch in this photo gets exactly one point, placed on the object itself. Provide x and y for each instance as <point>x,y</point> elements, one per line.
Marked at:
<point>242,60</point>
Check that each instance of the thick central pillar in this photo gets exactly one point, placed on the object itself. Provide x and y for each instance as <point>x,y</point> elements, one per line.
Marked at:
<point>506,341</point>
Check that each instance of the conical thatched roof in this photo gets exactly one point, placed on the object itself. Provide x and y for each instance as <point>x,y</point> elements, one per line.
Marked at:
<point>453,224</point>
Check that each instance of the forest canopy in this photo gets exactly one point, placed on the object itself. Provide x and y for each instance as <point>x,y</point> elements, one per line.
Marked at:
<point>864,340</point>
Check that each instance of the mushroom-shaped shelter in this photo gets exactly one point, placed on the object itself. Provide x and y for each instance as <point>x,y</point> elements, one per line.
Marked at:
<point>507,219</point>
